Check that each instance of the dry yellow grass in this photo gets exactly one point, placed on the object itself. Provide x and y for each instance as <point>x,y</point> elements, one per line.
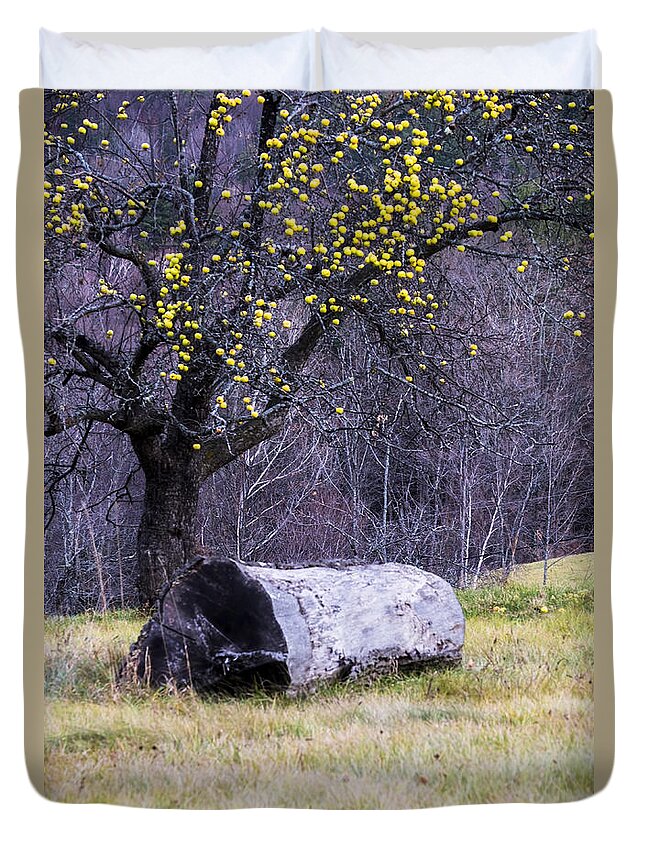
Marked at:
<point>568,571</point>
<point>514,723</point>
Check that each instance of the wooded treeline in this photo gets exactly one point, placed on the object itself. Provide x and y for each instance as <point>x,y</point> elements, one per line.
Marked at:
<point>461,441</point>
<point>405,480</point>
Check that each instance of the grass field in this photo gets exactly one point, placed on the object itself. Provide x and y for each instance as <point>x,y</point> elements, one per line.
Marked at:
<point>513,724</point>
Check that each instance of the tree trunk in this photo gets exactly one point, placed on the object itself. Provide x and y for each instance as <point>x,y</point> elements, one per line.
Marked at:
<point>224,623</point>
<point>167,529</point>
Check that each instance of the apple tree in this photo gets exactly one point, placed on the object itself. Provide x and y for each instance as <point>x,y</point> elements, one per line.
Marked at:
<point>200,247</point>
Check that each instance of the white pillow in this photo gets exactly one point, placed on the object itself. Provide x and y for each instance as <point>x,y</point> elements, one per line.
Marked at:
<point>285,62</point>
<point>564,62</point>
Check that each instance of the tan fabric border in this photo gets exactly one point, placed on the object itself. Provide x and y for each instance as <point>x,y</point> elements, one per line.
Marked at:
<point>30,305</point>
<point>29,271</point>
<point>605,278</point>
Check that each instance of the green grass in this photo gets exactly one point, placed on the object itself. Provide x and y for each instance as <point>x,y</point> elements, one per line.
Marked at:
<point>513,724</point>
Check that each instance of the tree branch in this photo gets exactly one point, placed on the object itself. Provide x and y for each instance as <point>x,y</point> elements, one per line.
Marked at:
<point>219,450</point>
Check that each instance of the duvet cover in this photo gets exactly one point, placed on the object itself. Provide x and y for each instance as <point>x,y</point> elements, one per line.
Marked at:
<point>321,436</point>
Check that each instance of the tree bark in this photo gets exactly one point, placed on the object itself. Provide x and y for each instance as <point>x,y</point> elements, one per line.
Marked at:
<point>167,530</point>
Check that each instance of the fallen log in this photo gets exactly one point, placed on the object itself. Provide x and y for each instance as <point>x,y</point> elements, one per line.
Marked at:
<point>223,623</point>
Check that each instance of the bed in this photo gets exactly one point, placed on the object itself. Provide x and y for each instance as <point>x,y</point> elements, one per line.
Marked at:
<point>329,309</point>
